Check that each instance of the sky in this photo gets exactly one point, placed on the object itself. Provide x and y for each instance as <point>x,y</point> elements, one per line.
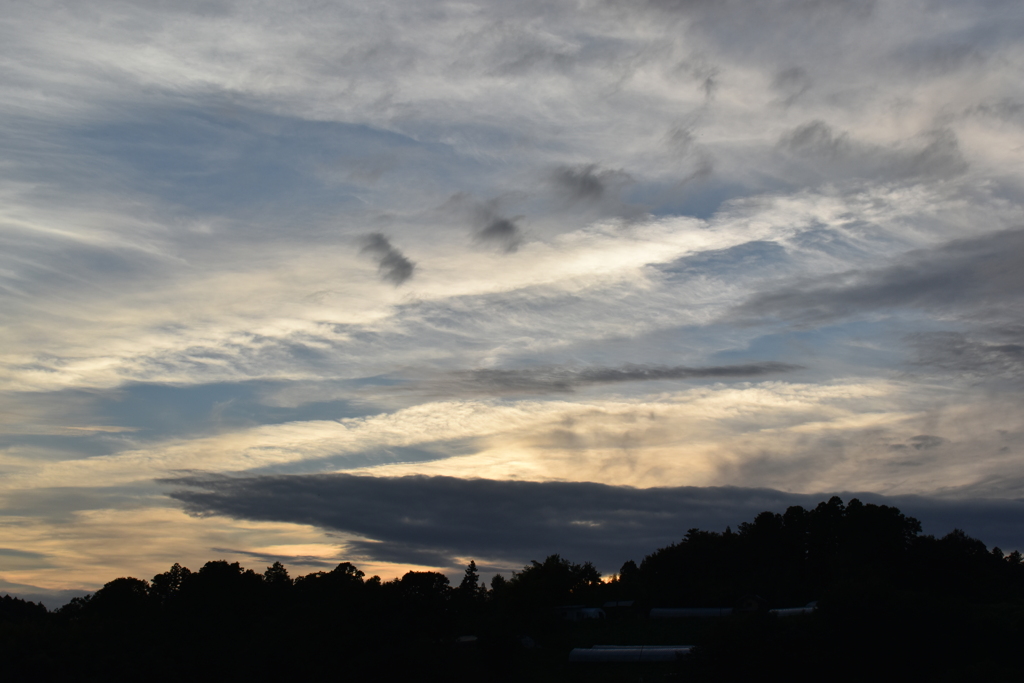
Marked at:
<point>408,284</point>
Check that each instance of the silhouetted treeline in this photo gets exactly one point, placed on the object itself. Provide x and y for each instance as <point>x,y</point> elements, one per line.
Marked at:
<point>17,611</point>
<point>893,603</point>
<point>792,558</point>
<point>888,595</point>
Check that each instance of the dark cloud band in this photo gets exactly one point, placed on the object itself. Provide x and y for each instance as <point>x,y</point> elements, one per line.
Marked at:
<point>436,520</point>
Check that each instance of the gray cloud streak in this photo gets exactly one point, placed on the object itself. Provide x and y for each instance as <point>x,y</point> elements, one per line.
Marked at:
<point>270,558</point>
<point>556,379</point>
<point>961,353</point>
<point>978,276</point>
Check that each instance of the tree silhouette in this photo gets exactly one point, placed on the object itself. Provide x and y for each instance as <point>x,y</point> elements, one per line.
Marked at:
<point>470,580</point>
<point>276,576</point>
<point>424,588</point>
<point>16,610</point>
<point>555,581</point>
<point>124,598</point>
<point>166,586</point>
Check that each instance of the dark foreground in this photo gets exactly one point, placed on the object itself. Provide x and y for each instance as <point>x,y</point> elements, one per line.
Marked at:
<point>892,603</point>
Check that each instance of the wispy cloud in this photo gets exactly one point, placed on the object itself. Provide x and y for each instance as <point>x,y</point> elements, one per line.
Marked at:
<point>967,276</point>
<point>1002,355</point>
<point>934,154</point>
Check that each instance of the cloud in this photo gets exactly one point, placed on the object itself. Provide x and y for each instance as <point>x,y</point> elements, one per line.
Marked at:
<point>1004,109</point>
<point>975,276</point>
<point>61,505</point>
<point>932,155</point>
<point>791,83</point>
<point>554,379</point>
<point>921,442</point>
<point>491,226</point>
<point>926,58</point>
<point>13,558</point>
<point>502,232</point>
<point>588,189</point>
<point>580,182</point>
<point>270,558</point>
<point>586,182</point>
<point>924,442</point>
<point>414,552</point>
<point>732,262</point>
<point>815,137</point>
<point>438,520</point>
<point>967,354</point>
<point>781,9</point>
<point>51,599</point>
<point>393,266</point>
